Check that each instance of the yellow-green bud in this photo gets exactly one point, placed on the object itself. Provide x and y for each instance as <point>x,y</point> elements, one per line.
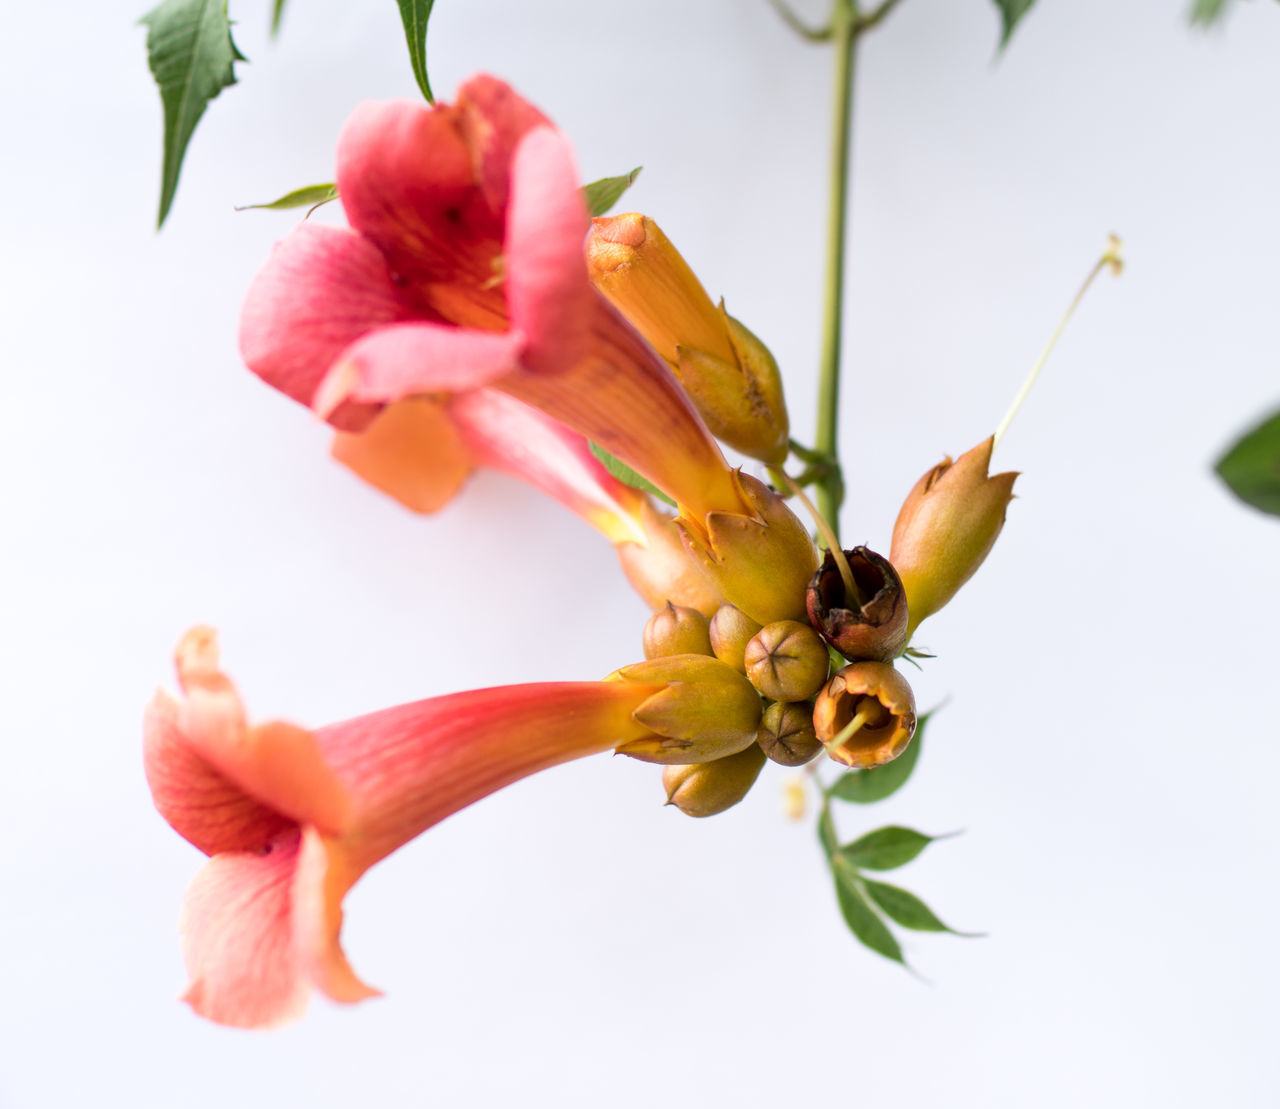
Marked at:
<point>706,711</point>
<point>866,715</point>
<point>786,733</point>
<point>946,527</point>
<point>708,788</point>
<point>731,630</point>
<point>676,630</point>
<point>787,661</point>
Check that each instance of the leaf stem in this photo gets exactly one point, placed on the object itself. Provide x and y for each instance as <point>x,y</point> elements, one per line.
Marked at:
<point>811,34</point>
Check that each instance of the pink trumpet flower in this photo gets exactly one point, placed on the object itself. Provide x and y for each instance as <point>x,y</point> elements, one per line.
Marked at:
<point>464,268</point>
<point>293,818</point>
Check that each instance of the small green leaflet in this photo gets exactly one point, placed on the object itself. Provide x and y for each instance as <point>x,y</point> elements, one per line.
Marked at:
<point>1011,12</point>
<point>602,195</point>
<point>191,55</point>
<point>1251,468</point>
<point>1207,11</point>
<point>277,11</point>
<point>626,474</point>
<point>308,195</point>
<point>862,787</point>
<point>414,15</point>
<point>861,918</point>
<point>906,909</point>
<point>827,831</point>
<point>885,848</point>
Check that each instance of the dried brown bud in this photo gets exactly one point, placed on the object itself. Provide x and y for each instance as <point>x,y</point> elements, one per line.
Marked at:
<point>707,788</point>
<point>731,630</point>
<point>872,623</point>
<point>866,715</point>
<point>676,630</point>
<point>787,661</point>
<point>786,733</point>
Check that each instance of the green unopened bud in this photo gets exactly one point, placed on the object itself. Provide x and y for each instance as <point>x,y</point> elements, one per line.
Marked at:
<point>872,623</point>
<point>946,528</point>
<point>787,661</point>
<point>708,788</point>
<point>761,562</point>
<point>866,715</point>
<point>676,630</point>
<point>706,711</point>
<point>786,733</point>
<point>728,373</point>
<point>731,630</point>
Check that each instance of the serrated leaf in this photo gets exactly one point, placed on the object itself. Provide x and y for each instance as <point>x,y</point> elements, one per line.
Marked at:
<point>277,12</point>
<point>905,908</point>
<point>885,849</point>
<point>602,195</point>
<point>861,918</point>
<point>827,831</point>
<point>626,474</point>
<point>1251,468</point>
<point>1011,13</point>
<point>191,55</point>
<point>308,195</point>
<point>863,787</point>
<point>414,15</point>
<point>1207,11</point>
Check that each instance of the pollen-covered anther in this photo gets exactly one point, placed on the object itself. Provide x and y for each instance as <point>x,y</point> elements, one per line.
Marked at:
<point>866,715</point>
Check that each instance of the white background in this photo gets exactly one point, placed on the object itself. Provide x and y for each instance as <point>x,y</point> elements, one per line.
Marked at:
<point>1109,745</point>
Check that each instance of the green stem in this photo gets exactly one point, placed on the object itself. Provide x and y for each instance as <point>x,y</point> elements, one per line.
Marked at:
<point>845,26</point>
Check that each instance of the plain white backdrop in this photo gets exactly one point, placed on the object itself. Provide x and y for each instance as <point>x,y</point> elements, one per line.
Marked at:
<point>1110,740</point>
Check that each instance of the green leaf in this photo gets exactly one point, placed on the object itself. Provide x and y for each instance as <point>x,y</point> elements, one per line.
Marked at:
<point>300,198</point>
<point>414,15</point>
<point>863,787</point>
<point>1251,468</point>
<point>861,918</point>
<point>1207,11</point>
<point>827,831</point>
<point>1011,13</point>
<point>602,195</point>
<point>905,908</point>
<point>885,848</point>
<point>626,474</point>
<point>277,11</point>
<point>191,55</point>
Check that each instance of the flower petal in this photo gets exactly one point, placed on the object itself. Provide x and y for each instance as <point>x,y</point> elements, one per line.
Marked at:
<point>411,451</point>
<point>201,805</point>
<point>548,291</point>
<point>494,118</point>
<point>321,289</point>
<point>238,938</point>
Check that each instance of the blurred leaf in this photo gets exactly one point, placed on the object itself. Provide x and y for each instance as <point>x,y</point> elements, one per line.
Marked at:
<point>191,55</point>
<point>827,831</point>
<point>905,908</point>
<point>861,918</point>
<point>1251,468</point>
<point>885,848</point>
<point>299,198</point>
<point>626,474</point>
<point>414,15</point>
<point>1011,12</point>
<point>602,195</point>
<point>277,11</point>
<point>863,787</point>
<point>1206,11</point>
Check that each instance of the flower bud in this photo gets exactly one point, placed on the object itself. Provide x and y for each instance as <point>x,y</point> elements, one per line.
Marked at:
<point>727,372</point>
<point>676,630</point>
<point>872,624</point>
<point>786,733</point>
<point>787,661</point>
<point>761,562</point>
<point>946,527</point>
<point>706,711</point>
<point>866,715</point>
<point>708,788</point>
<point>731,630</point>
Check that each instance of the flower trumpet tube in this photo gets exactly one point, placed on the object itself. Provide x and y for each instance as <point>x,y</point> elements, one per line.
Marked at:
<point>730,375</point>
<point>946,528</point>
<point>292,818</point>
<point>463,268</point>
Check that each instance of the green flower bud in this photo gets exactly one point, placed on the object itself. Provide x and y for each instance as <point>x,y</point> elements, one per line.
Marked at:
<point>787,661</point>
<point>786,733</point>
<point>731,630</point>
<point>676,630</point>
<point>708,788</point>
